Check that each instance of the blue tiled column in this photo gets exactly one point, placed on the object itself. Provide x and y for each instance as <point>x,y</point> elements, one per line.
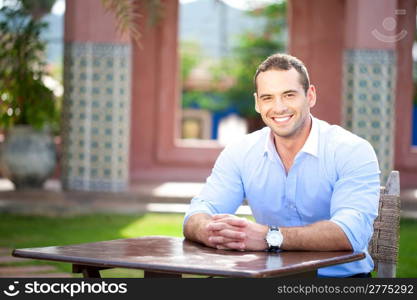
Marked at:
<point>369,97</point>
<point>96,116</point>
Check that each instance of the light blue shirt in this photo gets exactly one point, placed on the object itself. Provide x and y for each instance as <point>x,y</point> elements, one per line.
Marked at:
<point>335,177</point>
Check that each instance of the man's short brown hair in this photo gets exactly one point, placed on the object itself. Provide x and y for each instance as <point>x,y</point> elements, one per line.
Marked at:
<point>284,62</point>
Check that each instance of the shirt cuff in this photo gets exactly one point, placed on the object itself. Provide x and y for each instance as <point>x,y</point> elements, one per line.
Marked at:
<point>189,214</point>
<point>356,227</point>
<point>198,206</point>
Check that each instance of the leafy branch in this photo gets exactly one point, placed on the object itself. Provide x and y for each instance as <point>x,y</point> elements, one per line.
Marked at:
<point>126,14</point>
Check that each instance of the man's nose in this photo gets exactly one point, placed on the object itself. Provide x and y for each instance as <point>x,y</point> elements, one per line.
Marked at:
<point>279,105</point>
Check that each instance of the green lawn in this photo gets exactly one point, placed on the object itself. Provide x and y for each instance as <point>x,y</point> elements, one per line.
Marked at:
<point>407,264</point>
<point>18,231</point>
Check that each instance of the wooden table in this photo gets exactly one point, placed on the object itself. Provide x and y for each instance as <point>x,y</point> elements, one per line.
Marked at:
<point>161,256</point>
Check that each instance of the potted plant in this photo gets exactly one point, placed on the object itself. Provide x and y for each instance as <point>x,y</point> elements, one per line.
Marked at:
<point>28,109</point>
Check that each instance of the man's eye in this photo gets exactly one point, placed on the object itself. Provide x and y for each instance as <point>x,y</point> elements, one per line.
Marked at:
<point>289,96</point>
<point>266,98</point>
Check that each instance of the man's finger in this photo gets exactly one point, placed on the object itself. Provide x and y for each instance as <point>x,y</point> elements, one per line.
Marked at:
<point>235,245</point>
<point>232,234</point>
<point>234,221</point>
<point>226,235</point>
<point>231,219</point>
<point>220,247</point>
<point>221,216</point>
<point>217,226</point>
<point>219,240</point>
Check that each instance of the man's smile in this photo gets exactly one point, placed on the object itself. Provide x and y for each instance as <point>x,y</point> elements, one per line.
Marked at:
<point>282,119</point>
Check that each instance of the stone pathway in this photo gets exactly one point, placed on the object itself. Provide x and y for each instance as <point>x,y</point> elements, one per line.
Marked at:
<point>14,267</point>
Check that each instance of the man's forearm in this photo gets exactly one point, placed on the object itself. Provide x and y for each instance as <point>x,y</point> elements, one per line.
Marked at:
<point>319,236</point>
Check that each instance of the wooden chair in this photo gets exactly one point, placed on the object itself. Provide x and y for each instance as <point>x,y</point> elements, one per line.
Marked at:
<point>384,244</point>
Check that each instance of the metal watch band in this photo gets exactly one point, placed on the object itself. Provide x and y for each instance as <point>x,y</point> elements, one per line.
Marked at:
<point>273,249</point>
<point>274,228</point>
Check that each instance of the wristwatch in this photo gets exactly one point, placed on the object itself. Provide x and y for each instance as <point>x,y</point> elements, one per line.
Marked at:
<point>274,239</point>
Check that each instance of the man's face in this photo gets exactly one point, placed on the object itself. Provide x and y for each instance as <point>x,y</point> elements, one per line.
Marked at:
<point>282,102</point>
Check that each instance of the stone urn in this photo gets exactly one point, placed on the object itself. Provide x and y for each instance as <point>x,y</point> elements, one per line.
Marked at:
<point>27,156</point>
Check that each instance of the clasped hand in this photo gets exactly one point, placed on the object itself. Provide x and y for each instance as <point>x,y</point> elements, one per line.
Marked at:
<point>229,232</point>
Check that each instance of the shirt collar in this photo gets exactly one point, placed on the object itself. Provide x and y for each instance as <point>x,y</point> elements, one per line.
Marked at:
<point>269,148</point>
<point>310,146</point>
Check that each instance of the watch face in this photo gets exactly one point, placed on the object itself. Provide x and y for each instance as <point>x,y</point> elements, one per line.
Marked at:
<point>274,238</point>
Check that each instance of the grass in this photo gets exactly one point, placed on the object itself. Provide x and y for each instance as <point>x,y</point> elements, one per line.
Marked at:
<point>407,261</point>
<point>18,231</point>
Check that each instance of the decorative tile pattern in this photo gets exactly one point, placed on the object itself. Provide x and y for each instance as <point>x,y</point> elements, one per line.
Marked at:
<point>96,116</point>
<point>369,97</point>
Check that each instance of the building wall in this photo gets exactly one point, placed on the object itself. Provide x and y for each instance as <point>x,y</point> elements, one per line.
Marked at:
<point>317,38</point>
<point>405,154</point>
<point>333,37</point>
<point>96,107</point>
<point>156,152</point>
<point>361,62</point>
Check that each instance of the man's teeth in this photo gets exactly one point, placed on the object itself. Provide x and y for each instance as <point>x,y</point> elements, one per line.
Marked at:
<point>282,119</point>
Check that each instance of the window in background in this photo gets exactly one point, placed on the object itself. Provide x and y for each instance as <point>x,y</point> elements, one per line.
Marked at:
<point>221,43</point>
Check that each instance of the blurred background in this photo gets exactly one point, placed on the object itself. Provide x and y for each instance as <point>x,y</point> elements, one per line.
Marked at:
<point>121,107</point>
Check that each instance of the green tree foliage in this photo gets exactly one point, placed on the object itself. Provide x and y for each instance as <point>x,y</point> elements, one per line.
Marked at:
<point>37,8</point>
<point>210,100</point>
<point>24,99</point>
<point>253,48</point>
<point>127,13</point>
<point>190,55</point>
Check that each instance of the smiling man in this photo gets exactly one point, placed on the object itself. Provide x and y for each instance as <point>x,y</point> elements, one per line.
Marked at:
<point>310,185</point>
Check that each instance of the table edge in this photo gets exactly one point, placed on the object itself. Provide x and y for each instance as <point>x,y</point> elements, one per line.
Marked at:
<point>352,256</point>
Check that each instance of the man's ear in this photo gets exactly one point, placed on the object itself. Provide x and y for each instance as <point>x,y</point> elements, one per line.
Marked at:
<point>256,102</point>
<point>311,96</point>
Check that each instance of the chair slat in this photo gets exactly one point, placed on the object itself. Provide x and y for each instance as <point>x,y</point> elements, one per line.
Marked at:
<point>384,244</point>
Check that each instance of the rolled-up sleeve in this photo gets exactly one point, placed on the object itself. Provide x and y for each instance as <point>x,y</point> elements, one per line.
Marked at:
<point>223,191</point>
<point>354,203</point>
